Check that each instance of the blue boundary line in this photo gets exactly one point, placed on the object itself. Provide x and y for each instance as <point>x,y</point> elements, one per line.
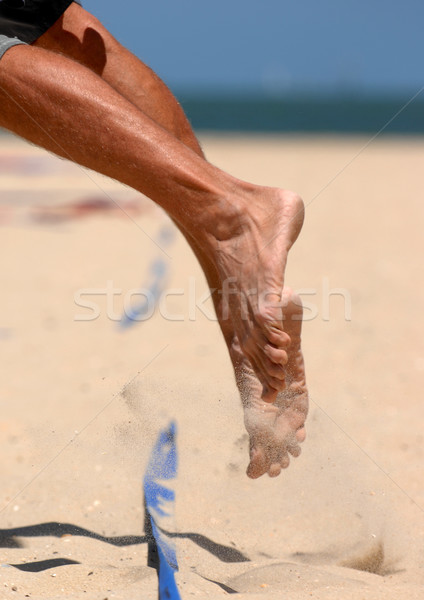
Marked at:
<point>159,501</point>
<point>158,273</point>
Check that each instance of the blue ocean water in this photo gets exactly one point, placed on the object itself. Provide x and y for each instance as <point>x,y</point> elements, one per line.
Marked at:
<point>305,114</point>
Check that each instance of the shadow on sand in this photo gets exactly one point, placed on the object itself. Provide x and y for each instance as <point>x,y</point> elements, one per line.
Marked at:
<point>8,539</point>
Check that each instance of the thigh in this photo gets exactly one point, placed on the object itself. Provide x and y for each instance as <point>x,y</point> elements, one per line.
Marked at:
<point>81,37</point>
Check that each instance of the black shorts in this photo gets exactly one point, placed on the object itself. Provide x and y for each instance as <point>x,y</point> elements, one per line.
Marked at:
<point>24,21</point>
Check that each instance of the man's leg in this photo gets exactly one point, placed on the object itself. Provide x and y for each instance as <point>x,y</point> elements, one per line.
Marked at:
<point>136,151</point>
<point>275,431</point>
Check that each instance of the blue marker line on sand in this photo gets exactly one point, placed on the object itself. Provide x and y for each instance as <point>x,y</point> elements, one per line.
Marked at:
<point>151,294</point>
<point>157,278</point>
<point>159,503</point>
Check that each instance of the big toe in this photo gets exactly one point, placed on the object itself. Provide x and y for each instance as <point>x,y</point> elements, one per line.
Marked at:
<point>258,463</point>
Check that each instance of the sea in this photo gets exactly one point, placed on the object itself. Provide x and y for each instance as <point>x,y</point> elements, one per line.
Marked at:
<point>306,114</point>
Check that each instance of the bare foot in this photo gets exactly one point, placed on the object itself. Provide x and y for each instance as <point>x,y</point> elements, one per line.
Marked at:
<point>251,266</point>
<point>277,429</point>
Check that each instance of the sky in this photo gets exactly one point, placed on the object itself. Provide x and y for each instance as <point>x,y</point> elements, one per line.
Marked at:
<point>275,46</point>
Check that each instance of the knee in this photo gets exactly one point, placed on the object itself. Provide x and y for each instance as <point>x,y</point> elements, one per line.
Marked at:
<point>79,36</point>
<point>94,42</point>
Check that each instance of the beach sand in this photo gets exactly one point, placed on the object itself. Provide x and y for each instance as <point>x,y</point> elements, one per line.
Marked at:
<point>83,399</point>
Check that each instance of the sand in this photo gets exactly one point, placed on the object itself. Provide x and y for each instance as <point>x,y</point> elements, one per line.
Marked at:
<point>84,400</point>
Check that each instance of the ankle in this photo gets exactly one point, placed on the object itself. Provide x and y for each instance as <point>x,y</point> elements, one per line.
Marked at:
<point>228,216</point>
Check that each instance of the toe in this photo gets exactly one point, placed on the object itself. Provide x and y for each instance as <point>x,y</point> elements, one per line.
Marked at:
<point>294,447</point>
<point>275,355</point>
<point>274,470</point>
<point>285,461</point>
<point>272,376</point>
<point>277,384</point>
<point>274,370</point>
<point>270,385</point>
<point>277,336</point>
<point>257,465</point>
<point>295,450</point>
<point>270,373</point>
<point>277,466</point>
<point>301,434</point>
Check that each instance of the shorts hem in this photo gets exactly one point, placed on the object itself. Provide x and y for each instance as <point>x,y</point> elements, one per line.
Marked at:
<point>7,42</point>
